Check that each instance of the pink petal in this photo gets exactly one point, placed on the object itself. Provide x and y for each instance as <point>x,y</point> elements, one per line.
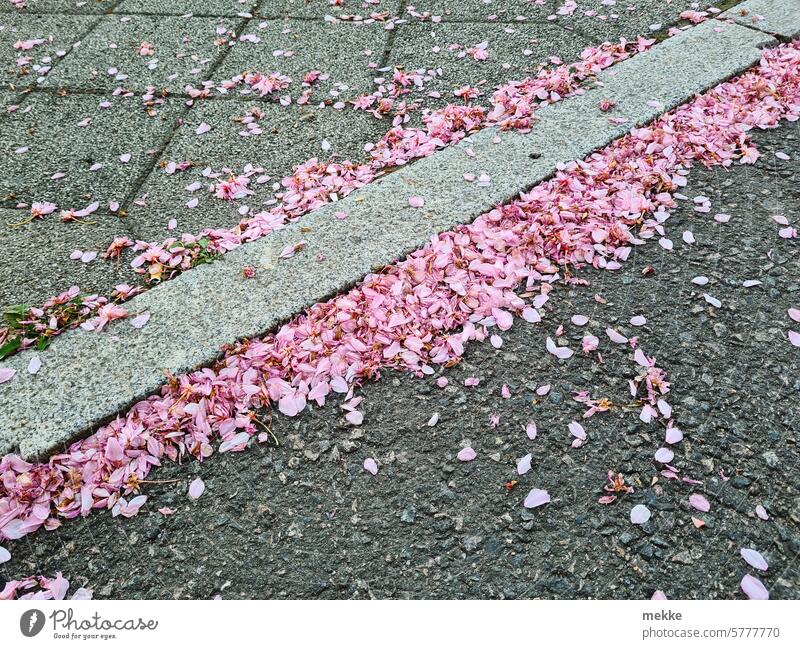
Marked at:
<point>579,320</point>
<point>140,320</point>
<point>659,594</point>
<point>416,201</point>
<point>355,417</point>
<point>6,373</point>
<point>762,513</point>
<point>467,454</point>
<point>35,364</point>
<point>699,502</point>
<point>536,498</point>
<point>558,352</point>
<point>530,430</point>
<point>753,588</point>
<point>665,456</point>
<point>197,488</point>
<point>203,128</point>
<point>794,338</point>
<point>5,555</point>
<point>639,515</point>
<point>577,430</point>
<point>616,337</point>
<point>524,464</point>
<point>754,558</point>
<point>794,314</point>
<point>371,465</point>
<point>638,321</point>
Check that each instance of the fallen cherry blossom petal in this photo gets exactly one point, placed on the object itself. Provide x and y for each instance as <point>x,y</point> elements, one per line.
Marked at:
<point>196,488</point>
<point>371,466</point>
<point>524,464</point>
<point>699,502</point>
<point>753,588</point>
<point>467,454</point>
<point>640,515</point>
<point>536,498</point>
<point>754,558</point>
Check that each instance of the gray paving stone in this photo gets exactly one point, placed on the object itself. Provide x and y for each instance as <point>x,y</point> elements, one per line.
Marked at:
<point>184,51</point>
<point>515,52</point>
<point>480,10</point>
<point>626,19</point>
<point>320,10</point>
<point>780,17</point>
<point>91,377</point>
<point>183,7</point>
<point>61,6</point>
<point>343,51</point>
<point>48,125</point>
<point>60,33</point>
<point>291,135</point>
<point>36,263</point>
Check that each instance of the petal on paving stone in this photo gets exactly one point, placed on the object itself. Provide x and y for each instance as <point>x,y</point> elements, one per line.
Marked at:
<point>416,201</point>
<point>524,464</point>
<point>6,374</point>
<point>754,558</point>
<point>467,454</point>
<point>640,515</point>
<point>536,498</point>
<point>140,320</point>
<point>371,466</point>
<point>699,502</point>
<point>753,588</point>
<point>197,488</point>
<point>35,364</point>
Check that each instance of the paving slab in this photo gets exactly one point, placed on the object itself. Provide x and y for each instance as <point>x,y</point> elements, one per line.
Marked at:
<point>625,19</point>
<point>49,134</point>
<point>61,6</point>
<point>514,52</point>
<point>36,263</point>
<point>91,378</point>
<point>292,47</point>
<point>23,68</point>
<point>352,9</point>
<point>781,18</point>
<point>186,7</point>
<point>479,10</point>
<point>290,136</point>
<point>184,50</point>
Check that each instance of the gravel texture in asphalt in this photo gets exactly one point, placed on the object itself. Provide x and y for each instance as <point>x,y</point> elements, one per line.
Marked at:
<point>301,518</point>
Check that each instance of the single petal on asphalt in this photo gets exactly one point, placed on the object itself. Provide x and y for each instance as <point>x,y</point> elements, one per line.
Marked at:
<point>640,514</point>
<point>536,498</point>
<point>5,555</point>
<point>531,430</point>
<point>753,588</point>
<point>197,488</point>
<point>762,513</point>
<point>664,455</point>
<point>794,338</point>
<point>754,558</point>
<point>467,454</point>
<point>794,314</point>
<point>524,464</point>
<point>659,594</point>
<point>371,465</point>
<point>616,337</point>
<point>699,502</point>
<point>434,419</point>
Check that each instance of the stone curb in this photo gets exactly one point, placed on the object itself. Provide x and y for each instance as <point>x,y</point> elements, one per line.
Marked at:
<point>89,378</point>
<point>780,17</point>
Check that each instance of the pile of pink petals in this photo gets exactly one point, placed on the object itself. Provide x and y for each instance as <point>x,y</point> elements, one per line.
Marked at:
<point>417,314</point>
<point>40,587</point>
<point>316,182</point>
